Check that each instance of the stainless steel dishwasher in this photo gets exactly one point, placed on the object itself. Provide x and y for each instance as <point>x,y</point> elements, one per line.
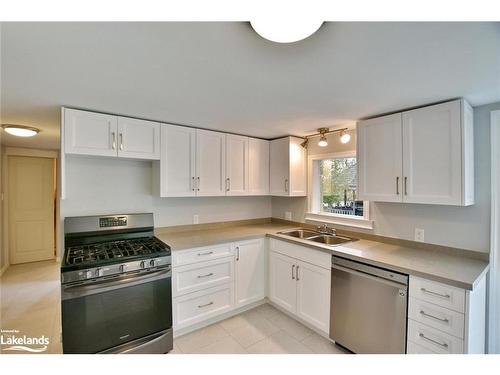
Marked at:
<point>368,308</point>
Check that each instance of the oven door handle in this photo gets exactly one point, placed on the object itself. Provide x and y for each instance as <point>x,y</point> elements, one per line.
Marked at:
<point>76,291</point>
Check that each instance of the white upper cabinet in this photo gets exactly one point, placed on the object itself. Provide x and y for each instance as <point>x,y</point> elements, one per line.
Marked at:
<point>138,139</point>
<point>236,165</point>
<point>177,162</point>
<point>438,155</point>
<point>425,155</point>
<point>258,166</point>
<point>89,133</point>
<point>210,163</point>
<point>380,158</point>
<point>288,167</point>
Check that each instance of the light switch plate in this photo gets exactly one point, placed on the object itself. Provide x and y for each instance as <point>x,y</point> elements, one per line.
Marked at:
<point>419,235</point>
<point>288,216</point>
<point>196,219</point>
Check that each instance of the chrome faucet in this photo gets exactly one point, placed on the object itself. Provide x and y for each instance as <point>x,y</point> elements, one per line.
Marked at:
<point>326,229</point>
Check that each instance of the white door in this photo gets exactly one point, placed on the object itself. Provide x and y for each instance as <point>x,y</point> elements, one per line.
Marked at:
<point>31,197</point>
<point>297,185</point>
<point>90,133</point>
<point>380,159</point>
<point>282,284</point>
<point>177,162</point>
<point>432,154</point>
<point>279,166</point>
<point>313,295</point>
<point>236,165</point>
<point>138,139</point>
<point>250,272</point>
<point>258,167</point>
<point>210,163</point>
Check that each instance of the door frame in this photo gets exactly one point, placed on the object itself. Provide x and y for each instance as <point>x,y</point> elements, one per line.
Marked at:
<point>28,152</point>
<point>494,274</point>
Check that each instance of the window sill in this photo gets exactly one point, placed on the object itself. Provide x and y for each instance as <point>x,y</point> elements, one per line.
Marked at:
<point>355,222</point>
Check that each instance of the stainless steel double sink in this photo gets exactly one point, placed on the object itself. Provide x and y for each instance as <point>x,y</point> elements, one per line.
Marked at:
<point>316,236</point>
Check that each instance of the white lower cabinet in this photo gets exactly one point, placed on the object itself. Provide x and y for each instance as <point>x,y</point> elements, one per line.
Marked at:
<point>300,287</point>
<point>250,269</point>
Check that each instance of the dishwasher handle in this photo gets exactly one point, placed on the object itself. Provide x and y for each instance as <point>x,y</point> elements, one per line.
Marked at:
<point>371,277</point>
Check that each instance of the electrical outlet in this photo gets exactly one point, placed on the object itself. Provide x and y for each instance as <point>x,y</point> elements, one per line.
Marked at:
<point>288,216</point>
<point>419,235</point>
<point>196,219</point>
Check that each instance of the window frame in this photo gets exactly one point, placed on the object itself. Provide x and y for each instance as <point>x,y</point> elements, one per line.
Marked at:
<point>314,212</point>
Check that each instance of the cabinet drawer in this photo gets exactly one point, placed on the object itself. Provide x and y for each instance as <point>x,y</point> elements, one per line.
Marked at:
<point>413,348</point>
<point>201,254</point>
<point>434,340</point>
<point>306,254</point>
<point>446,320</point>
<point>437,293</point>
<point>198,306</point>
<point>193,277</point>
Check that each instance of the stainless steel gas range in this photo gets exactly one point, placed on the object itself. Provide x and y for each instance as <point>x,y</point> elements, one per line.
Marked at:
<point>115,286</point>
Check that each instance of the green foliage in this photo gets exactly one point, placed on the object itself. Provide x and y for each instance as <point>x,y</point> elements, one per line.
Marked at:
<point>337,177</point>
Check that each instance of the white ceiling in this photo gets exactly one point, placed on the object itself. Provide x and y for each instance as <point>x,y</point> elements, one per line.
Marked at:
<point>224,76</point>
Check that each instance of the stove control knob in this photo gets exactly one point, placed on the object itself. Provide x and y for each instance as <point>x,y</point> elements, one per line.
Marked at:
<point>152,263</point>
<point>87,274</point>
<point>142,264</point>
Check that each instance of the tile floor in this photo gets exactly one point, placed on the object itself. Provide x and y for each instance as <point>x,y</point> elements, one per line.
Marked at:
<point>30,303</point>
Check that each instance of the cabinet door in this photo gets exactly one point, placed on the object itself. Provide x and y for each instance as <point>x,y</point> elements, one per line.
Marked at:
<point>282,284</point>
<point>177,161</point>
<point>297,185</point>
<point>279,167</point>
<point>313,295</point>
<point>236,165</point>
<point>379,155</point>
<point>90,133</point>
<point>250,272</point>
<point>138,139</point>
<point>258,167</point>
<point>432,154</point>
<point>210,163</point>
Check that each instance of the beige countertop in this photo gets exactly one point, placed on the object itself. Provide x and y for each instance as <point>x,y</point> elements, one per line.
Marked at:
<point>456,270</point>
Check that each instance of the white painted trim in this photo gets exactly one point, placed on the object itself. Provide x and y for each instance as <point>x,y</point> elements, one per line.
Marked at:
<point>494,287</point>
<point>314,213</point>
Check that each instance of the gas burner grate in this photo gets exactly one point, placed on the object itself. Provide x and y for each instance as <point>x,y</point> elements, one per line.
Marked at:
<point>115,250</point>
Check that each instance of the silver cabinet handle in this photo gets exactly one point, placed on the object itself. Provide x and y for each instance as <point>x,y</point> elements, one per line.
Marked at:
<point>121,141</point>
<point>443,344</point>
<point>207,253</point>
<point>205,305</point>
<point>207,275</point>
<point>422,312</point>
<point>293,275</point>
<point>237,253</point>
<point>228,184</point>
<point>406,191</point>
<point>113,144</point>
<point>435,294</point>
<point>198,184</point>
<point>297,273</point>
<point>286,185</point>
<point>192,183</point>
<point>397,185</point>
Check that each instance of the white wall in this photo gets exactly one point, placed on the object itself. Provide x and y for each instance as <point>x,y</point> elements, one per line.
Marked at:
<point>462,227</point>
<point>105,185</point>
<point>2,255</point>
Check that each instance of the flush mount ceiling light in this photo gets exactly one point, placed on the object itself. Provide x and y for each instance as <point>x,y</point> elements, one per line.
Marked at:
<point>20,130</point>
<point>285,31</point>
<point>322,132</point>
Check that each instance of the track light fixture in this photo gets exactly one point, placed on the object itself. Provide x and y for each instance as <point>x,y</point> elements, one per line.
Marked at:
<point>345,137</point>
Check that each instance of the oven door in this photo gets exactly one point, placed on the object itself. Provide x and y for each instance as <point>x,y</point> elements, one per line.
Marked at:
<point>103,314</point>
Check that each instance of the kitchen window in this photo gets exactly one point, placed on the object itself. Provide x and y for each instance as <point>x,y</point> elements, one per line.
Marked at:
<point>333,191</point>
